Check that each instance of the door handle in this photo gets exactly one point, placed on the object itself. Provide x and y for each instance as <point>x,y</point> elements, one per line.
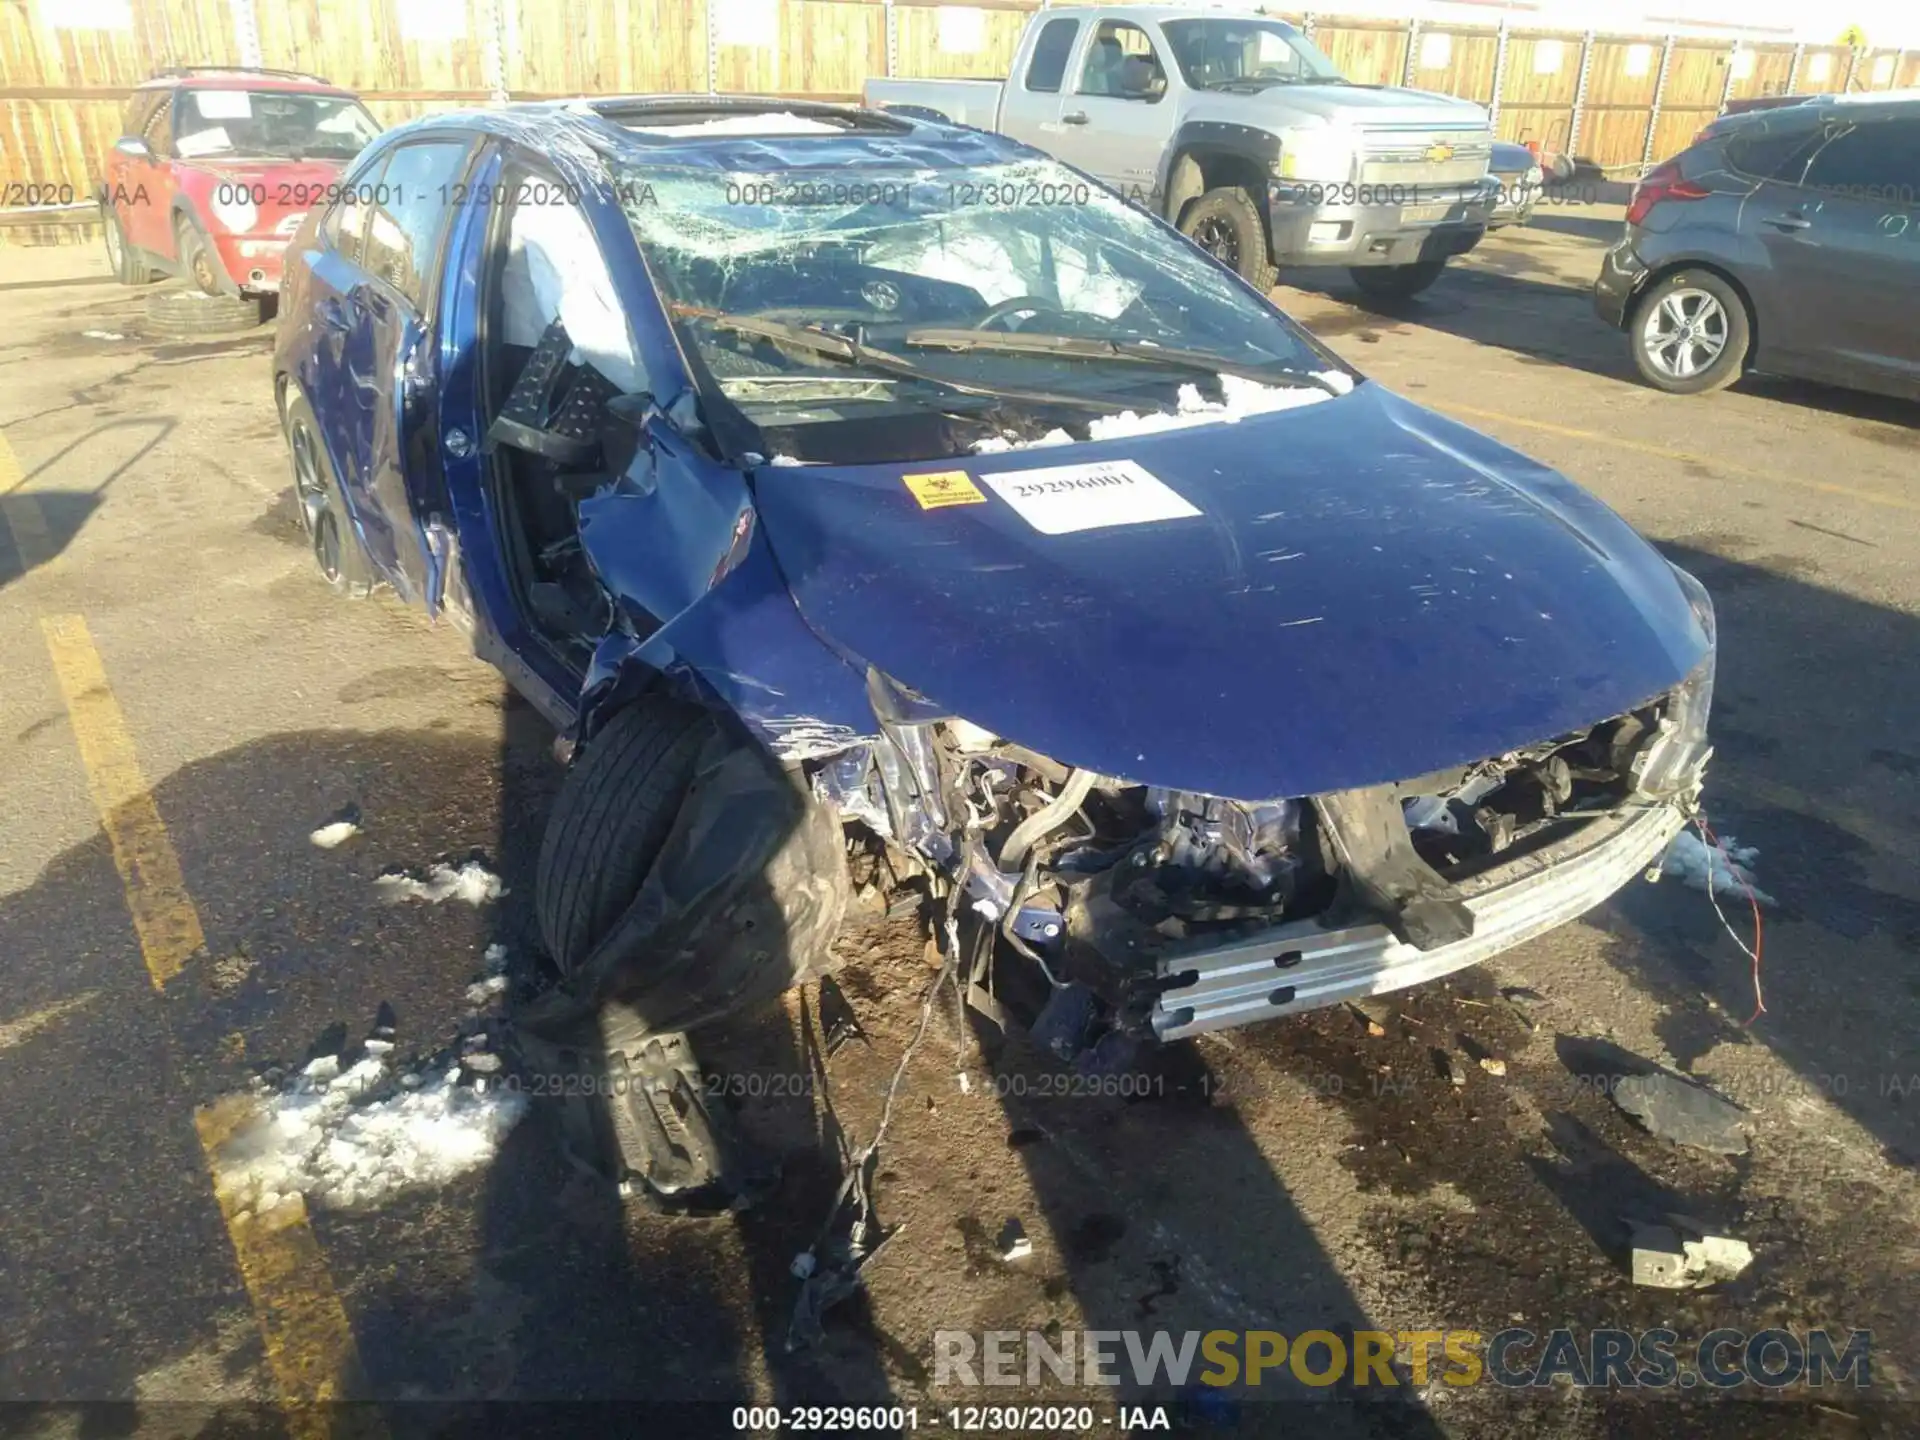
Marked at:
<point>1789,222</point>
<point>1074,117</point>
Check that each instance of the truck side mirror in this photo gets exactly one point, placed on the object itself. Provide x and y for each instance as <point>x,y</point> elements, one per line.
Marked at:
<point>133,147</point>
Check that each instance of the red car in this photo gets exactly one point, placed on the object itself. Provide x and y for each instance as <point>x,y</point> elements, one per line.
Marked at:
<point>215,169</point>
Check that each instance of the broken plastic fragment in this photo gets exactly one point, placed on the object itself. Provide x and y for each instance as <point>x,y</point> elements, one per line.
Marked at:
<point>330,835</point>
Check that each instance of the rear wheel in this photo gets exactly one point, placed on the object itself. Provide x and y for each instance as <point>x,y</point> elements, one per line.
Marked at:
<point>323,513</point>
<point>1227,225</point>
<point>1690,333</point>
<point>611,820</point>
<point>1396,282</point>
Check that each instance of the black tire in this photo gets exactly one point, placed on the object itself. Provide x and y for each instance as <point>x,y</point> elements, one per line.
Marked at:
<point>1396,282</point>
<point>613,815</point>
<point>127,264</point>
<point>175,314</point>
<point>1683,299</point>
<point>1227,225</point>
<point>198,264</point>
<point>323,512</point>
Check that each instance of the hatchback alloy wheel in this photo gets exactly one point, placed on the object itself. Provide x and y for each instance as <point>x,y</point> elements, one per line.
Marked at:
<point>1685,333</point>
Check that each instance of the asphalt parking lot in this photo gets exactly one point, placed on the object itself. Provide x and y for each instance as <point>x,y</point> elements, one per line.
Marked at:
<point>183,702</point>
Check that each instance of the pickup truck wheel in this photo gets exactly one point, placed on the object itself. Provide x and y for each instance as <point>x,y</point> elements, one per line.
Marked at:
<point>613,815</point>
<point>1690,333</point>
<point>323,514</point>
<point>1397,282</point>
<point>1227,225</point>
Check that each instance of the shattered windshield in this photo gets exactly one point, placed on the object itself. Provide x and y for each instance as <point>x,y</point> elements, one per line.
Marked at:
<point>1000,304</point>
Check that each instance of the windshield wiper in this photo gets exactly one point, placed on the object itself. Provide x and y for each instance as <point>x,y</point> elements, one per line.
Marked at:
<point>1087,347</point>
<point>849,351</point>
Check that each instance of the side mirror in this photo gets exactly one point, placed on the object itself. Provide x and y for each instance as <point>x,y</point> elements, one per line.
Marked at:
<point>133,147</point>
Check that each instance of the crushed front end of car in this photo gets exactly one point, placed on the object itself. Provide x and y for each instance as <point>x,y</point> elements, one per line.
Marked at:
<point>1186,912</point>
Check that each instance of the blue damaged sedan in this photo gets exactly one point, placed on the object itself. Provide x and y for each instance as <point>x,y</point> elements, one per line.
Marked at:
<point>865,495</point>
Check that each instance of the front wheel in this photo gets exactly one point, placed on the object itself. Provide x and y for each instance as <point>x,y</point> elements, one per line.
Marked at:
<point>1690,333</point>
<point>1396,282</point>
<point>1227,225</point>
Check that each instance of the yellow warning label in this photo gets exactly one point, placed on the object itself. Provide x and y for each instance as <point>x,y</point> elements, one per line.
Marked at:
<point>944,487</point>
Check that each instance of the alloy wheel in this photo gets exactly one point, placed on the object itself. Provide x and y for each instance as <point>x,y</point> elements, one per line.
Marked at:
<point>1685,333</point>
<point>1215,236</point>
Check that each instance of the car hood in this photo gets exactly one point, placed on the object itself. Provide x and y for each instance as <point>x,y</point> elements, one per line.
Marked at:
<point>1366,105</point>
<point>1367,592</point>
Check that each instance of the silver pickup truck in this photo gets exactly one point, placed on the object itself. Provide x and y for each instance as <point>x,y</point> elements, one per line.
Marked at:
<point>1237,130</point>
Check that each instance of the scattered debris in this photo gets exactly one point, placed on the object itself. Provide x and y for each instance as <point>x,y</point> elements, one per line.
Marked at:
<point>1493,1065</point>
<point>334,833</point>
<point>838,1023</point>
<point>1014,1244</point>
<point>1482,1056</point>
<point>1372,1015</point>
<point>803,1265</point>
<point>483,992</point>
<point>1447,1067</point>
<point>1664,1260</point>
<point>1681,1110</point>
<point>1726,871</point>
<point>472,882</point>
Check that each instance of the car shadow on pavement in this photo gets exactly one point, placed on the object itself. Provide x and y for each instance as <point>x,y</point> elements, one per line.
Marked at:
<point>37,525</point>
<point>1816,767</point>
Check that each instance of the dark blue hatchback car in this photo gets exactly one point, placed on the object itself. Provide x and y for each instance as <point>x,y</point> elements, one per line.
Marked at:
<point>853,488</point>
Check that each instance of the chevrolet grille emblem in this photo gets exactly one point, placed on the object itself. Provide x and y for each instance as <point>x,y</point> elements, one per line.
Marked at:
<point>1439,154</point>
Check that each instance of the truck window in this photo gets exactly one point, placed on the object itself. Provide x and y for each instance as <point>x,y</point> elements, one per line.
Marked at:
<point>1249,53</point>
<point>1121,63</point>
<point>1049,64</point>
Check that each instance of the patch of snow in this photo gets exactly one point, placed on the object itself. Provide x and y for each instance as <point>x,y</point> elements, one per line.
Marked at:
<point>782,123</point>
<point>785,460</point>
<point>483,991</point>
<point>496,959</point>
<point>101,335</point>
<point>1339,380</point>
<point>1241,397</point>
<point>472,882</point>
<point>356,1138</point>
<point>328,836</point>
<point>1692,862</point>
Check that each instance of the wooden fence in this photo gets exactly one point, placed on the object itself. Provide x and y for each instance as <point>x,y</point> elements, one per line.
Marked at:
<point>67,66</point>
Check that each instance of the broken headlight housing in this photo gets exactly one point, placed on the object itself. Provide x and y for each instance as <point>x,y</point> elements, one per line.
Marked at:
<point>1669,768</point>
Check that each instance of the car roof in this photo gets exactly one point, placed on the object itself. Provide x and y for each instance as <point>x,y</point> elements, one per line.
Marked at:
<point>719,132</point>
<point>241,77</point>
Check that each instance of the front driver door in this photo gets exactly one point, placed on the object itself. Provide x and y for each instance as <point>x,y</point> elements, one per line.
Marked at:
<point>386,448</point>
<point>1115,122</point>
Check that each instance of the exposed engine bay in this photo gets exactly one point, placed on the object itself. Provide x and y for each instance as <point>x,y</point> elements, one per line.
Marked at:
<point>1102,885</point>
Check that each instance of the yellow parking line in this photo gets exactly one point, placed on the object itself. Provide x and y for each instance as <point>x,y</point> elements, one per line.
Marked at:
<point>163,915</point>
<point>11,478</point>
<point>26,522</point>
<point>309,1342</point>
<point>1685,457</point>
<point>303,1324</point>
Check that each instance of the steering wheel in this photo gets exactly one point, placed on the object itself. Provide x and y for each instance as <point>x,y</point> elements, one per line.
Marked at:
<point>1017,305</point>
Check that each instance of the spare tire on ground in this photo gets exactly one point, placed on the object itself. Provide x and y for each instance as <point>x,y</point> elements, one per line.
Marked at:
<point>176,314</point>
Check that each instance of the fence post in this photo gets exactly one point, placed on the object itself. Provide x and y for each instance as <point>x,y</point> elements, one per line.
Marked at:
<point>493,57</point>
<point>1853,69</point>
<point>1306,25</point>
<point>1726,86</point>
<point>1499,75</point>
<point>246,32</point>
<point>1408,70</point>
<point>1653,114</point>
<point>1580,93</point>
<point>713,45</point>
<point>893,38</point>
<point>1793,70</point>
